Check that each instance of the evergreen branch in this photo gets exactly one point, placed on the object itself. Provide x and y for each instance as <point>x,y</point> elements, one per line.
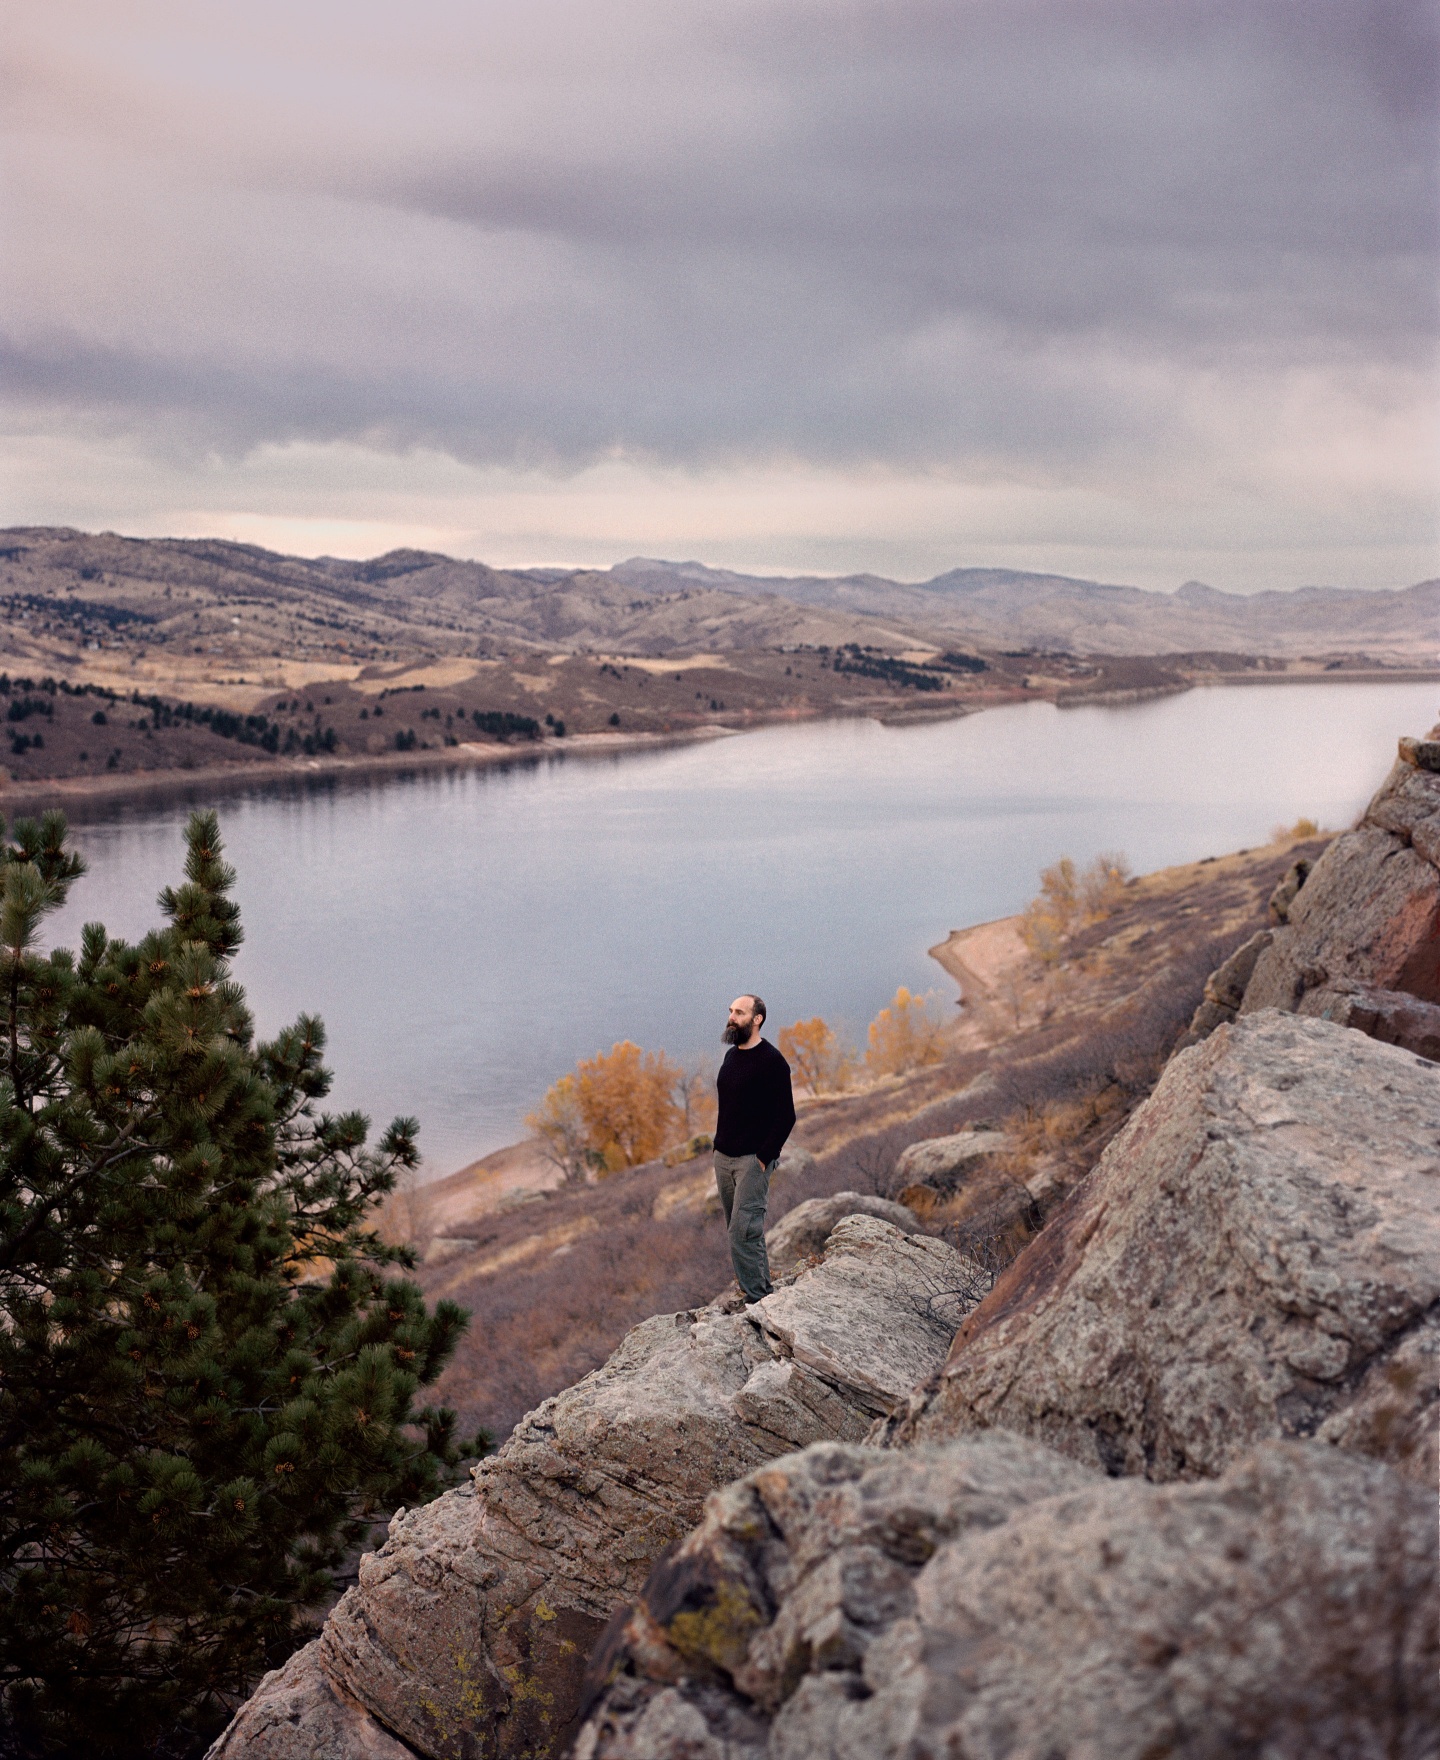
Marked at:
<point>10,1250</point>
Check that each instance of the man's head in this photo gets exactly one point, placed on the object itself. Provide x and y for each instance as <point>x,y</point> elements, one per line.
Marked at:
<point>747,1016</point>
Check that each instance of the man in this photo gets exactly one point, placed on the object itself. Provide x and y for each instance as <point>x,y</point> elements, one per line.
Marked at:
<point>757,1113</point>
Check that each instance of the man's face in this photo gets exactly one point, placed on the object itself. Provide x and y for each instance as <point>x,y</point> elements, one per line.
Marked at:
<point>741,1022</point>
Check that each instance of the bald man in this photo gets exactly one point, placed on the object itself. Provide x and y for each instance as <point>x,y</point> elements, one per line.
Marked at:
<point>757,1114</point>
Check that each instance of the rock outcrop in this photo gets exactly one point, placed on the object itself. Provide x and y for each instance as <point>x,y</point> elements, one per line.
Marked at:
<point>942,1161</point>
<point>1366,917</point>
<point>1356,937</point>
<point>1369,911</point>
<point>801,1234</point>
<point>1257,1255</point>
<point>989,1598</point>
<point>468,1631</point>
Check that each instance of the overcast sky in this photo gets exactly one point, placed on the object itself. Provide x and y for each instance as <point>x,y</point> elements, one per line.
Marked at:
<point>1141,291</point>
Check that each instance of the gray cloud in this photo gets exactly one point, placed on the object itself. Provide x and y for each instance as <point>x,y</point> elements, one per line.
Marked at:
<point>1007,236</point>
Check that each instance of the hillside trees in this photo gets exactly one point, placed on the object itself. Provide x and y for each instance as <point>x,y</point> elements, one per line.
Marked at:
<point>817,1059</point>
<point>905,1034</point>
<point>208,1373</point>
<point>619,1108</point>
<point>1070,898</point>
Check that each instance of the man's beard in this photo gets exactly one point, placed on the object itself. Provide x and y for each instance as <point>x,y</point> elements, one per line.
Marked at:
<point>736,1035</point>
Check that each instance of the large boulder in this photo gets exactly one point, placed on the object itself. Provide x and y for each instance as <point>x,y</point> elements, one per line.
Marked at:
<point>468,1630</point>
<point>989,1598</point>
<point>1257,1255</point>
<point>800,1235</point>
<point>881,1318</point>
<point>944,1161</point>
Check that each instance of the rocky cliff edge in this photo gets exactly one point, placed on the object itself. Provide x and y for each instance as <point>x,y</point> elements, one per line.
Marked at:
<point>1168,1488</point>
<point>1173,1492</point>
<point>469,1630</point>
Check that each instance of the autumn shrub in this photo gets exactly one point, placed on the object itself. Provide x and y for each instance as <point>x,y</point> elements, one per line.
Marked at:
<point>905,1035</point>
<point>618,1109</point>
<point>558,1123</point>
<point>1070,899</point>
<point>817,1059</point>
<point>695,1097</point>
<point>1102,886</point>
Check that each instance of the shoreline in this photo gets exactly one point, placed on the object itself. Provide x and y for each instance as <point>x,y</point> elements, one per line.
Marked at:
<point>1373,675</point>
<point>87,793</point>
<point>91,791</point>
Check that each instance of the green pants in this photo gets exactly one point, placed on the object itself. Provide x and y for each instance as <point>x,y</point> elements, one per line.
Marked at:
<point>743,1182</point>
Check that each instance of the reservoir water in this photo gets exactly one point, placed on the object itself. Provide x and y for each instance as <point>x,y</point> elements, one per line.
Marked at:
<point>468,935</point>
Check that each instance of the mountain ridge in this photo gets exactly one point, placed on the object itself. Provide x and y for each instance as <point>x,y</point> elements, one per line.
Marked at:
<point>1012,607</point>
<point>420,599</point>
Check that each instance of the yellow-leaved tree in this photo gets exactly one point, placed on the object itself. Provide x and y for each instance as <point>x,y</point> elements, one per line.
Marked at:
<point>1069,899</point>
<point>558,1124</point>
<point>815,1055</point>
<point>619,1108</point>
<point>906,1034</point>
<point>1102,886</point>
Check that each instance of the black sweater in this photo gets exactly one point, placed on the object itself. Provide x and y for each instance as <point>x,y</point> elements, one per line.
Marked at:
<point>757,1111</point>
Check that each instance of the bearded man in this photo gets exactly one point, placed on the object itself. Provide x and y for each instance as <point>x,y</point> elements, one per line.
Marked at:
<point>757,1114</point>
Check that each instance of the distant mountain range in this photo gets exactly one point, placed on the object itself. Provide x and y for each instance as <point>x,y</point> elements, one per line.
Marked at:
<point>1006,608</point>
<point>413,600</point>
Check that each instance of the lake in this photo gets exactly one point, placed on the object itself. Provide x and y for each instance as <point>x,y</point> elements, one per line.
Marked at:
<point>468,935</point>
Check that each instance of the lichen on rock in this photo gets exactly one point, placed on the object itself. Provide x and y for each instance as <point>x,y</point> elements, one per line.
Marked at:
<point>988,1597</point>
<point>468,1631</point>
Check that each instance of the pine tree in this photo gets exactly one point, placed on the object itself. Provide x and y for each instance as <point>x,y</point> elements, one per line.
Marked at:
<point>207,1369</point>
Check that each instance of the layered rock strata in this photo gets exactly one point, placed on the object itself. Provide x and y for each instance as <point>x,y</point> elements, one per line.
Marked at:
<point>468,1631</point>
<point>989,1598</point>
<point>1257,1255</point>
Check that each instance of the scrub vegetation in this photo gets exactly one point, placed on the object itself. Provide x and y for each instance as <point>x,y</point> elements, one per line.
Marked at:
<point>619,1108</point>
